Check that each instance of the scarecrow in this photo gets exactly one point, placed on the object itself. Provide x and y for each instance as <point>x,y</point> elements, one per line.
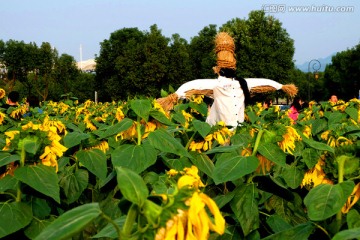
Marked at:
<point>229,94</point>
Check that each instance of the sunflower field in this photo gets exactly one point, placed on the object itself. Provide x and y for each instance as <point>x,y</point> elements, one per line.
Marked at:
<point>130,170</point>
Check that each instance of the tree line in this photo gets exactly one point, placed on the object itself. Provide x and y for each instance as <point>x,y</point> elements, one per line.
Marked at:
<point>134,63</point>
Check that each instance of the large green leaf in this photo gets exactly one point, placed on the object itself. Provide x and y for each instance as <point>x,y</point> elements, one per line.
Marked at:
<point>73,184</point>
<point>353,219</point>
<point>273,153</point>
<point>299,232</point>
<point>94,160</point>
<point>348,234</point>
<point>135,157</point>
<point>202,127</point>
<point>325,200</point>
<point>231,166</point>
<point>141,107</point>
<point>277,223</point>
<point>293,176</point>
<point>36,227</point>
<point>41,178</point>
<point>71,222</point>
<point>317,145</point>
<point>74,138</point>
<point>245,207</point>
<point>132,186</point>
<point>310,157</point>
<point>161,117</point>
<point>31,144</point>
<point>8,182</point>
<point>6,158</point>
<point>14,216</point>
<point>318,125</point>
<point>352,112</point>
<point>203,163</point>
<point>112,130</point>
<point>109,230</point>
<point>40,208</point>
<point>165,142</point>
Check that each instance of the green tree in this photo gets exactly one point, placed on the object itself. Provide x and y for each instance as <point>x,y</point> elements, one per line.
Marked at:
<point>118,63</point>
<point>179,64</point>
<point>263,47</point>
<point>202,54</point>
<point>343,74</point>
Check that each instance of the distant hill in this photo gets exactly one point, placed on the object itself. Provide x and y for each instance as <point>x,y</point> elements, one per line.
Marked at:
<point>323,61</point>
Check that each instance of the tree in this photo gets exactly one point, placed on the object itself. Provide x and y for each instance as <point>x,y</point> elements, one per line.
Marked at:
<point>179,64</point>
<point>202,54</point>
<point>263,47</point>
<point>118,63</point>
<point>343,74</point>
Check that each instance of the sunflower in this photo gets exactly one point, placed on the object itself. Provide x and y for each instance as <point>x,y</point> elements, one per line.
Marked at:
<point>193,222</point>
<point>289,139</point>
<point>315,176</point>
<point>2,93</point>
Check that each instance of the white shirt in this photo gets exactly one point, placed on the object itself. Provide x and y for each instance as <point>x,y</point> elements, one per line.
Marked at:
<point>229,99</point>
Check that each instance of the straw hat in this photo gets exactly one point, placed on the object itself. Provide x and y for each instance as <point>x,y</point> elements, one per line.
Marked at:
<point>224,49</point>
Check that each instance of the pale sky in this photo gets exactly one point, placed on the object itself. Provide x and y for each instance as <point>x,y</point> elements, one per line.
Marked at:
<point>318,27</point>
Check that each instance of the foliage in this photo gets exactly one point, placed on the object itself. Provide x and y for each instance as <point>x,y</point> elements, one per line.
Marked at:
<point>342,75</point>
<point>129,170</point>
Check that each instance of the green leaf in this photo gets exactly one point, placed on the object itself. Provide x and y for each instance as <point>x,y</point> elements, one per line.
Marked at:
<point>277,223</point>
<point>347,234</point>
<point>245,207</point>
<point>41,178</point>
<point>36,227</point>
<point>223,149</point>
<point>132,186</point>
<point>109,231</point>
<point>161,117</point>
<point>40,207</point>
<point>6,158</point>
<point>202,127</point>
<point>310,157</point>
<point>71,222</point>
<point>317,145</point>
<point>8,182</point>
<point>352,112</point>
<point>335,117</point>
<point>13,217</point>
<point>273,153</point>
<point>299,232</point>
<point>135,157</point>
<point>230,166</point>
<point>31,144</point>
<point>165,142</point>
<point>318,125</point>
<point>201,108</point>
<point>141,107</point>
<point>74,138</point>
<point>325,200</point>
<point>177,163</point>
<point>73,184</point>
<point>293,176</point>
<point>203,163</point>
<point>353,219</point>
<point>94,160</point>
<point>115,129</point>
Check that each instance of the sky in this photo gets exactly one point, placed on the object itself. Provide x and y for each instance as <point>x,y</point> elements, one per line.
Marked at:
<point>319,28</point>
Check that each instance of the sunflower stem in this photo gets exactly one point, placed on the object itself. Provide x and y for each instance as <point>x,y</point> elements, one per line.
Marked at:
<point>22,163</point>
<point>130,220</point>
<point>341,164</point>
<point>257,141</point>
<point>138,130</point>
